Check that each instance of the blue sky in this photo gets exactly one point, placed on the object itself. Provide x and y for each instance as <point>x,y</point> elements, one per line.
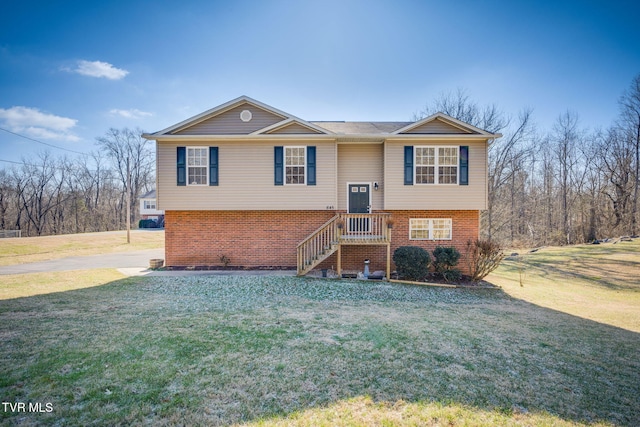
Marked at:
<point>70,70</point>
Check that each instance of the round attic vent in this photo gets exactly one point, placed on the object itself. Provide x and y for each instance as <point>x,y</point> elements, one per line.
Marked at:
<point>245,115</point>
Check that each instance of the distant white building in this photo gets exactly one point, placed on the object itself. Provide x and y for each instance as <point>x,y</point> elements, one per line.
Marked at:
<point>148,208</point>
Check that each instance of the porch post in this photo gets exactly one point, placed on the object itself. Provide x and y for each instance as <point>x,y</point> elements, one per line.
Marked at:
<point>339,260</point>
<point>388,261</point>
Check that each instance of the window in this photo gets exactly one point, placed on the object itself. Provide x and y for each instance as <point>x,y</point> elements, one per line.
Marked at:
<point>150,204</point>
<point>197,165</point>
<point>430,229</point>
<point>436,165</point>
<point>295,165</point>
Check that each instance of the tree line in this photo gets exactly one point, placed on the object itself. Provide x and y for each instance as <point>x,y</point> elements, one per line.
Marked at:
<point>564,185</point>
<point>46,195</point>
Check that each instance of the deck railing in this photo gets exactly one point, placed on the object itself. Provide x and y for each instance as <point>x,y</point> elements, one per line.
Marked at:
<point>342,229</point>
<point>319,245</point>
<point>365,228</point>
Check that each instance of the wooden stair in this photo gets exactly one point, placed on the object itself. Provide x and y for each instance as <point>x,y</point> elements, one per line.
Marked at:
<point>343,229</point>
<point>320,245</point>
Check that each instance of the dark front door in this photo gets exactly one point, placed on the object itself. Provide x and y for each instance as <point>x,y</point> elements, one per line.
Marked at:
<point>359,204</point>
<point>359,198</point>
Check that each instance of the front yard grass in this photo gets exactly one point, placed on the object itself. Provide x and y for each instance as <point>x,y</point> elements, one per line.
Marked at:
<point>208,350</point>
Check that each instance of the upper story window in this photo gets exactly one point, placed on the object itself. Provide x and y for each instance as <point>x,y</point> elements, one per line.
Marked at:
<point>295,165</point>
<point>150,204</point>
<point>197,165</point>
<point>436,165</point>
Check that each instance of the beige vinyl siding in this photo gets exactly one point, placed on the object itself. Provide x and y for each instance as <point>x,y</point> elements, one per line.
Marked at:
<point>229,123</point>
<point>294,128</point>
<point>431,196</point>
<point>437,126</point>
<point>246,179</point>
<point>360,163</point>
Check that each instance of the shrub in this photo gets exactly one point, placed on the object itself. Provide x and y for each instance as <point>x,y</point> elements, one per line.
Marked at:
<point>412,262</point>
<point>483,257</point>
<point>444,261</point>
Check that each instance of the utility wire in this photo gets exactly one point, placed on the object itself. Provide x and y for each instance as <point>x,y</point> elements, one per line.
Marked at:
<point>107,171</point>
<point>43,143</point>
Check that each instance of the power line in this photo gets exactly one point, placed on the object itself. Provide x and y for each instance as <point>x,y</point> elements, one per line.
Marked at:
<point>107,171</point>
<point>43,143</point>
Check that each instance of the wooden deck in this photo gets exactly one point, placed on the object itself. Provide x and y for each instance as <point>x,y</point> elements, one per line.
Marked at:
<point>344,229</point>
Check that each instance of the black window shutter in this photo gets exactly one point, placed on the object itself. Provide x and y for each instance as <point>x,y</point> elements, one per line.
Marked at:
<point>213,165</point>
<point>182,165</point>
<point>408,165</point>
<point>311,165</point>
<point>278,164</point>
<point>464,165</point>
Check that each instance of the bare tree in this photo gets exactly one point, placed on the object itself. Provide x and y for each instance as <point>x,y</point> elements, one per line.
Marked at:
<point>459,106</point>
<point>133,162</point>
<point>39,187</point>
<point>630,124</point>
<point>615,155</point>
<point>566,139</point>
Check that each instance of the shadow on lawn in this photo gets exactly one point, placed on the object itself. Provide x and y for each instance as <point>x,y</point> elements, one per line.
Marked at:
<point>211,350</point>
<point>579,268</point>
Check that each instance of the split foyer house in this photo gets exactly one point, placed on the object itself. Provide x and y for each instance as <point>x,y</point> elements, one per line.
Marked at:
<point>254,186</point>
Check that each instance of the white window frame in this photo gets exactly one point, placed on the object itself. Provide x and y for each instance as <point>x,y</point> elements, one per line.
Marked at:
<point>430,228</point>
<point>436,164</point>
<point>206,165</point>
<point>150,205</point>
<point>284,161</point>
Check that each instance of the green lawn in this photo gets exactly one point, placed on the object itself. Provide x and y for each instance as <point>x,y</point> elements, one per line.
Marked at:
<point>288,351</point>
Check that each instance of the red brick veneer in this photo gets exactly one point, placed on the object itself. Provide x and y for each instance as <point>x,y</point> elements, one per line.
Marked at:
<point>247,238</point>
<point>270,238</point>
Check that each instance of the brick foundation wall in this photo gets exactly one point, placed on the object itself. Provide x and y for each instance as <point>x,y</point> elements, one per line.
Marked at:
<point>247,238</point>
<point>270,238</point>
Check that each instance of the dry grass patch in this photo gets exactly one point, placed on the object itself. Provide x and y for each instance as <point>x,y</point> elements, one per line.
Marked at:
<point>597,282</point>
<point>363,411</point>
<point>26,285</point>
<point>32,249</point>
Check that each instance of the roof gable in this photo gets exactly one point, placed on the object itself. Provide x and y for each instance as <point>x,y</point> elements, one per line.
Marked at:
<point>241,116</point>
<point>242,119</point>
<point>440,123</point>
<point>292,126</point>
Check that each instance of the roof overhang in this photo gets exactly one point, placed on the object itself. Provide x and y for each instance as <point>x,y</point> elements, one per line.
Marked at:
<point>338,138</point>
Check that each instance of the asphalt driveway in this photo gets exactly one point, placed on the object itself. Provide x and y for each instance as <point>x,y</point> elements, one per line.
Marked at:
<point>133,259</point>
<point>134,263</point>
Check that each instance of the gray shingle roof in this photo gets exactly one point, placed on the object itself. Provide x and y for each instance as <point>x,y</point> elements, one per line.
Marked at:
<point>362,128</point>
<point>150,195</point>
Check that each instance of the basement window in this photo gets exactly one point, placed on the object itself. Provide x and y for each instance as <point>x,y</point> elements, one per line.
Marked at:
<point>430,229</point>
